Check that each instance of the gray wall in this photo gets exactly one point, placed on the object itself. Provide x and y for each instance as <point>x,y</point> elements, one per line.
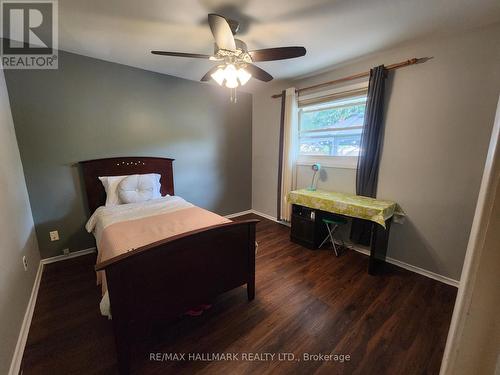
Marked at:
<point>17,236</point>
<point>438,119</point>
<point>94,109</point>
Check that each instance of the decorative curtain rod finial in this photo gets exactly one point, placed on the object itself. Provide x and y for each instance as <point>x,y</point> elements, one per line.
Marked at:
<point>423,59</point>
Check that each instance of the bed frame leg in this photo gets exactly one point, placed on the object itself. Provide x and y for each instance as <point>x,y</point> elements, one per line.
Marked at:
<point>251,290</point>
<point>122,346</point>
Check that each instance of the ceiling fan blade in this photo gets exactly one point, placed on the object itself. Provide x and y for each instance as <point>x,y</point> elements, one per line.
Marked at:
<point>207,76</point>
<point>181,54</point>
<point>222,32</point>
<point>258,73</point>
<point>280,53</point>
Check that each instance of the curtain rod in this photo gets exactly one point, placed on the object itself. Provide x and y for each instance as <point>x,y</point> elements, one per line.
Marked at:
<point>360,75</point>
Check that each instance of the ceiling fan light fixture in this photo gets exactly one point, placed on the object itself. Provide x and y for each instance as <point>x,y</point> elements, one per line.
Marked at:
<point>232,83</point>
<point>226,75</point>
<point>243,76</point>
<point>219,76</point>
<point>230,72</point>
<point>231,76</point>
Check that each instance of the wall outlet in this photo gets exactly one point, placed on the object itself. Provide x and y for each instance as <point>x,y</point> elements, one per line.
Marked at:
<point>54,235</point>
<point>25,263</point>
<point>65,251</point>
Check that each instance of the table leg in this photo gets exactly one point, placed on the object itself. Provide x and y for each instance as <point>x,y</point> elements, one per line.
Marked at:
<point>378,247</point>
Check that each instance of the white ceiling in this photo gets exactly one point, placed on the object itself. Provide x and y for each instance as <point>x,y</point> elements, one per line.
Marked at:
<point>333,31</point>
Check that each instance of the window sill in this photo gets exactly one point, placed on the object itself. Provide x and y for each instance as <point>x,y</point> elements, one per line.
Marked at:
<point>344,162</point>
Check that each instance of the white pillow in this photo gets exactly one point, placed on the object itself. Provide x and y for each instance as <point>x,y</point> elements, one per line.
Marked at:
<point>157,193</point>
<point>137,188</point>
<point>111,183</point>
<point>111,186</point>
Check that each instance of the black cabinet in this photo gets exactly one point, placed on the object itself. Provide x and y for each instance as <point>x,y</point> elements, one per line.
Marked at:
<point>307,227</point>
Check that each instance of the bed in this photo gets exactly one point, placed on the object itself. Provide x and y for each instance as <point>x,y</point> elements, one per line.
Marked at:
<point>195,257</point>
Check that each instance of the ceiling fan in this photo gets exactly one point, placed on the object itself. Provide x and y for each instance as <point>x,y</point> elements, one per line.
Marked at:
<point>235,63</point>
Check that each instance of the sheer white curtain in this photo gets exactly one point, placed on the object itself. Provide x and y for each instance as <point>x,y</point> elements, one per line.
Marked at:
<point>290,151</point>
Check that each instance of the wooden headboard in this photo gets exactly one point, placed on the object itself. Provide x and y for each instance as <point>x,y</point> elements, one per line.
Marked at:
<point>93,169</point>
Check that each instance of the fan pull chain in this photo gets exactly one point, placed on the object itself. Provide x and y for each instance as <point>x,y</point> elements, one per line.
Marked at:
<point>234,96</point>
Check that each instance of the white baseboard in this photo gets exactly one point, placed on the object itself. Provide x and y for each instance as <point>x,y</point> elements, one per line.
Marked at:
<point>236,214</point>
<point>74,254</point>
<point>410,267</point>
<point>15,364</point>
<point>421,271</point>
<point>265,216</point>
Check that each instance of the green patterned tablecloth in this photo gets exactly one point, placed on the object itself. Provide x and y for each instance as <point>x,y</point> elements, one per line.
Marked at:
<point>372,209</point>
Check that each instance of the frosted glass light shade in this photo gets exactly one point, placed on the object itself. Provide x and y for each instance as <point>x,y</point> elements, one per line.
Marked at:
<point>230,72</point>
<point>219,76</point>
<point>230,76</point>
<point>232,83</point>
<point>243,76</point>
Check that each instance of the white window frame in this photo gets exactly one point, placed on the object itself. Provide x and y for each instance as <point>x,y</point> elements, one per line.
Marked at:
<point>348,162</point>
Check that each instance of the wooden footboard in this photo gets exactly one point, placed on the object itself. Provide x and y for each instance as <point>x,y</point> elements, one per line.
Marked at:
<point>165,279</point>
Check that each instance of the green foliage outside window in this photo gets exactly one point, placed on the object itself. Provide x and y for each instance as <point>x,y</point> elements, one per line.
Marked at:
<point>331,117</point>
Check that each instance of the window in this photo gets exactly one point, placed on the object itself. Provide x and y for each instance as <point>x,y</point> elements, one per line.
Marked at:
<point>330,131</point>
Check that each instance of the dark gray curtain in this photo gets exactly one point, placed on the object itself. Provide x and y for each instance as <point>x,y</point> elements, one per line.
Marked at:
<point>370,150</point>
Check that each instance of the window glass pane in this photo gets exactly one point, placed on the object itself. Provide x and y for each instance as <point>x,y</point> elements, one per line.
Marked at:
<point>342,117</point>
<point>332,129</point>
<point>338,143</point>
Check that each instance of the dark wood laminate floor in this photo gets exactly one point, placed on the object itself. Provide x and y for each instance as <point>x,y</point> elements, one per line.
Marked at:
<point>306,302</point>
